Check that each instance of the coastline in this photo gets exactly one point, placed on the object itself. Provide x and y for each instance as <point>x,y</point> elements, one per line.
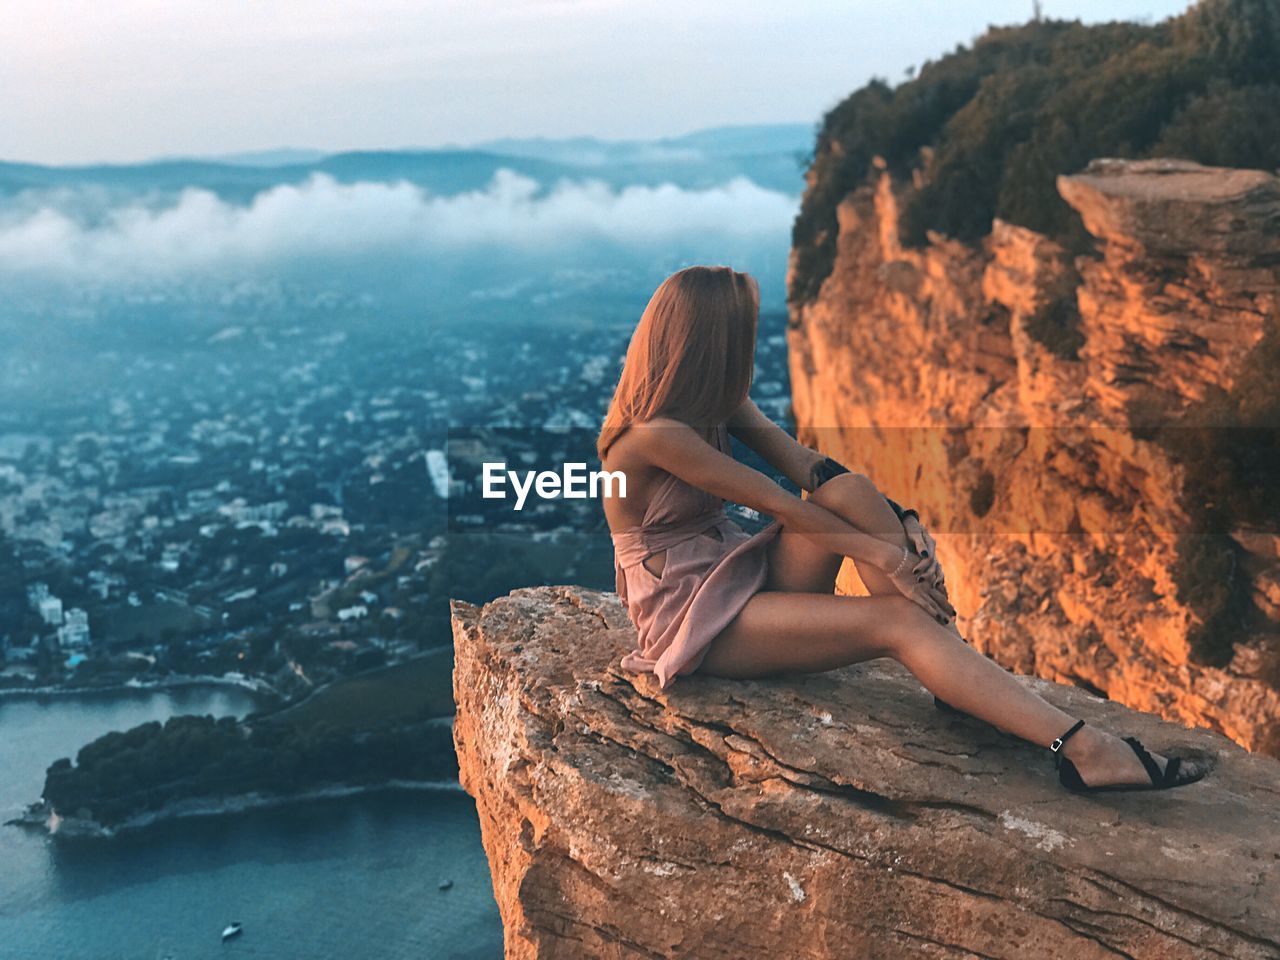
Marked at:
<point>252,684</point>
<point>39,817</point>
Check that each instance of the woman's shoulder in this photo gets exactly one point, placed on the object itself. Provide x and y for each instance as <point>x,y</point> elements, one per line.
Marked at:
<point>656,426</point>
<point>659,421</point>
<point>641,434</point>
<point>635,447</point>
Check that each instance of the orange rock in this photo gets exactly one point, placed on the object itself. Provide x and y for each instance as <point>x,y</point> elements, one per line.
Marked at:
<point>829,816</point>
<point>922,369</point>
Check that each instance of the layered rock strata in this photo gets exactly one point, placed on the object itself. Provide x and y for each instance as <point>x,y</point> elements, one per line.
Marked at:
<point>830,816</point>
<point>1002,389</point>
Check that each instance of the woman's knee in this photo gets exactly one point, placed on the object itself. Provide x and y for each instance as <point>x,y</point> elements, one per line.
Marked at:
<point>845,490</point>
<point>908,627</point>
<point>855,498</point>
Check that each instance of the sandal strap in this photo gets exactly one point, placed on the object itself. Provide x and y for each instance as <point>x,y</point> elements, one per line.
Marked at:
<point>1058,744</point>
<point>1158,776</point>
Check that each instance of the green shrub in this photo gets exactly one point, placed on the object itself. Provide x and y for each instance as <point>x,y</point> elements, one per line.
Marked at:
<point>1226,126</point>
<point>1004,117</point>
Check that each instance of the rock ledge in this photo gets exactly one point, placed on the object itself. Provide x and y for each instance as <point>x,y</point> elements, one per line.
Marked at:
<point>829,816</point>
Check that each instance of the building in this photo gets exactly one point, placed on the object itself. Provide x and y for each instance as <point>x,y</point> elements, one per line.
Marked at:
<point>74,633</point>
<point>50,610</point>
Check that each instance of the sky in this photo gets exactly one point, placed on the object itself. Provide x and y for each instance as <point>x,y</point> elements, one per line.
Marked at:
<point>124,80</point>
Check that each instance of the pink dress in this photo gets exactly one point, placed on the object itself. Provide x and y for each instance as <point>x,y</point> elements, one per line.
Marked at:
<point>713,567</point>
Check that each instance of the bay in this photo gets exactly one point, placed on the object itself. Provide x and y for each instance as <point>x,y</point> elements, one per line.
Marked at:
<point>351,877</point>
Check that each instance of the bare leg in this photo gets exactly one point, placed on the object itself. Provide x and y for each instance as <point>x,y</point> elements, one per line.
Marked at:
<point>798,565</point>
<point>842,630</point>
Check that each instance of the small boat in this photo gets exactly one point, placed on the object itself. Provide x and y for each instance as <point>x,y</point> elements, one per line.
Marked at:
<point>445,884</point>
<point>234,929</point>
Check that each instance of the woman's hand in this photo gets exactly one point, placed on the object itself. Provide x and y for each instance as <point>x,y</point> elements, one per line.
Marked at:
<point>910,580</point>
<point>930,569</point>
<point>924,545</point>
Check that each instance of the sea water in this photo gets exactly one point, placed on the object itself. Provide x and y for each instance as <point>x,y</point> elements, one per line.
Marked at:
<point>346,878</point>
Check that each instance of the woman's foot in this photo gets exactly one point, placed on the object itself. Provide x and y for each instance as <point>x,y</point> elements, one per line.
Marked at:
<point>1103,759</point>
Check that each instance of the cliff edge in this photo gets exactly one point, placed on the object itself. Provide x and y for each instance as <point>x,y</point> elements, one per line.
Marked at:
<point>827,816</point>
<point>1088,436</point>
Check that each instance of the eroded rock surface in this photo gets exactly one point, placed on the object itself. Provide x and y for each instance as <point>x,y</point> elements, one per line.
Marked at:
<point>830,816</point>
<point>1060,526</point>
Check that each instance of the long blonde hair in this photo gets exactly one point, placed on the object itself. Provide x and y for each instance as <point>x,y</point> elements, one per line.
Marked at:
<point>692,353</point>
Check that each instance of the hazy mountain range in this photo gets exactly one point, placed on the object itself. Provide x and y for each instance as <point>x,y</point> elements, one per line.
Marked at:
<point>773,156</point>
<point>514,221</point>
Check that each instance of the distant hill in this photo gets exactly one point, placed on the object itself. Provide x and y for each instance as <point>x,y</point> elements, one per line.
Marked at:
<point>445,172</point>
<point>771,155</point>
<point>389,724</point>
<point>283,157</point>
<point>730,141</point>
<point>989,127</point>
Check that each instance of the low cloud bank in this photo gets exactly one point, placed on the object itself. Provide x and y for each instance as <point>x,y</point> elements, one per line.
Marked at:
<point>80,234</point>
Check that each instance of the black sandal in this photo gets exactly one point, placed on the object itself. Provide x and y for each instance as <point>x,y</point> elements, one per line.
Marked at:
<point>1171,776</point>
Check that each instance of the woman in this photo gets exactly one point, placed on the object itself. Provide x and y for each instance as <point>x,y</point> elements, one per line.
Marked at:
<point>707,597</point>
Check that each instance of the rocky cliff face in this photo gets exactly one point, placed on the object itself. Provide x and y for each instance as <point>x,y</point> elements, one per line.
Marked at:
<point>830,816</point>
<point>1005,390</point>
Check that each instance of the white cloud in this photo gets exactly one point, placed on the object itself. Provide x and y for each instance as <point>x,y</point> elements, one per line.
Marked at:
<point>71,234</point>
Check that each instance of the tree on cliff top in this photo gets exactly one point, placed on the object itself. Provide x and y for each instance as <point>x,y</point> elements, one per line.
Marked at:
<point>991,126</point>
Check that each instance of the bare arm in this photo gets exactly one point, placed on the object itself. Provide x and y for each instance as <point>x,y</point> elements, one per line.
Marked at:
<point>676,448</point>
<point>799,464</point>
<point>782,451</point>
